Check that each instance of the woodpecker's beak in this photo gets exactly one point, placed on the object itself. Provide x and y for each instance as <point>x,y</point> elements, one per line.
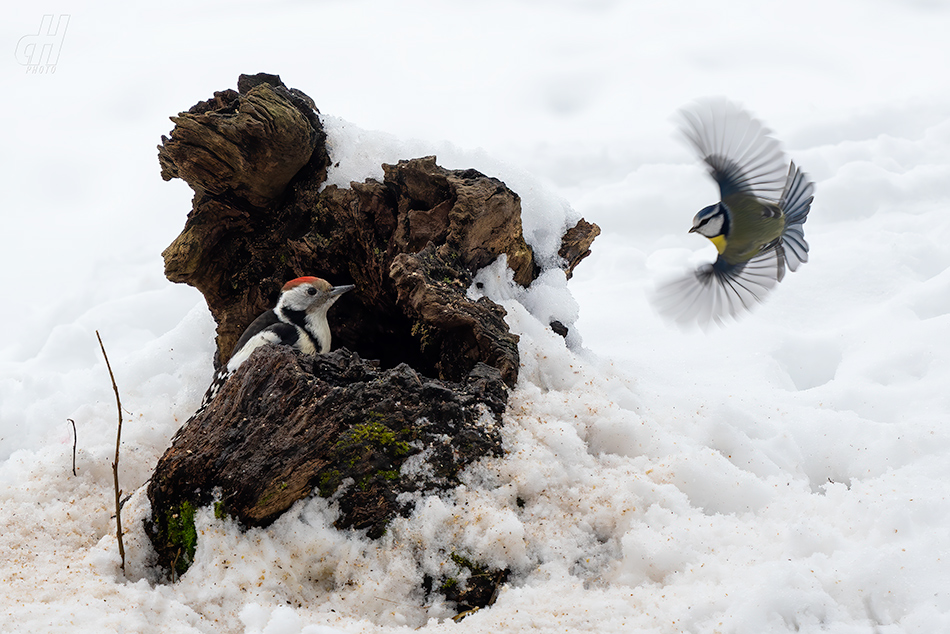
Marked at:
<point>339,290</point>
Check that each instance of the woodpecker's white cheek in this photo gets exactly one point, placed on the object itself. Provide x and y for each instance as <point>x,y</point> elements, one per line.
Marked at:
<point>255,342</point>
<point>297,299</point>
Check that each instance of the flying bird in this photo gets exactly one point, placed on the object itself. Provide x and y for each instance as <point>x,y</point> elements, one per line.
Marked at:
<point>757,226</point>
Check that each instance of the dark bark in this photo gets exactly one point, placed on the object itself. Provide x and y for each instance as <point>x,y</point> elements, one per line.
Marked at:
<point>575,244</point>
<point>287,424</point>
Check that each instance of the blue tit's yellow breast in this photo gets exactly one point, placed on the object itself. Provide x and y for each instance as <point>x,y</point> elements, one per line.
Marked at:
<point>720,242</point>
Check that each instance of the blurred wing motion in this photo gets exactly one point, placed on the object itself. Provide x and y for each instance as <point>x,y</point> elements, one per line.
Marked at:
<point>714,292</point>
<point>737,148</point>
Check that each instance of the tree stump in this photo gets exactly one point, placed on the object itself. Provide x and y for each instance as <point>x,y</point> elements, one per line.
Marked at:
<point>288,423</point>
<point>287,426</point>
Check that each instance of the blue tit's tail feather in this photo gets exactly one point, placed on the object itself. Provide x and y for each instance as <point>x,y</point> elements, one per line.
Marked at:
<point>796,202</point>
<point>715,292</point>
<point>741,155</point>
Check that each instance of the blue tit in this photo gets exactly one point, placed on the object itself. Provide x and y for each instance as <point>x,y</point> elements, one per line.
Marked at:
<point>756,226</point>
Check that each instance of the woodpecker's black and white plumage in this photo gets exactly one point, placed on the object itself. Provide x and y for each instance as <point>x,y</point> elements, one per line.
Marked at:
<point>299,320</point>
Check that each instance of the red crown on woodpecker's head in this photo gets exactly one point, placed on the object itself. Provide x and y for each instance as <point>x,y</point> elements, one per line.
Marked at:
<point>301,280</point>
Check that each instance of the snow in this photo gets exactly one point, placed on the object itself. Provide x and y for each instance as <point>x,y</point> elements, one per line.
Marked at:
<point>788,472</point>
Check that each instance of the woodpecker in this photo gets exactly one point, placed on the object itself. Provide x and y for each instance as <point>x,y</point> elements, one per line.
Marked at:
<point>299,320</point>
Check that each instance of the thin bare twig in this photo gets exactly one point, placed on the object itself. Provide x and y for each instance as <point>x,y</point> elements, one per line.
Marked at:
<point>115,464</point>
<point>75,440</point>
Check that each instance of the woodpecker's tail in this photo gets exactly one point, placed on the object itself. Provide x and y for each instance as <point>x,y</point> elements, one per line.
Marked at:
<point>220,377</point>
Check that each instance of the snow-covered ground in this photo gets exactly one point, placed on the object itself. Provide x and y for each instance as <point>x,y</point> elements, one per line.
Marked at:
<point>789,472</point>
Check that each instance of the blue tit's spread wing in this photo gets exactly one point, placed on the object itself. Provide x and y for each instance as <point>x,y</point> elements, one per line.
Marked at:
<point>715,292</point>
<point>742,157</point>
<point>795,203</point>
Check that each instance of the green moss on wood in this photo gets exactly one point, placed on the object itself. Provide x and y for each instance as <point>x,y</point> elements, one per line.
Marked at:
<point>371,436</point>
<point>370,445</point>
<point>449,584</point>
<point>182,535</point>
<point>328,481</point>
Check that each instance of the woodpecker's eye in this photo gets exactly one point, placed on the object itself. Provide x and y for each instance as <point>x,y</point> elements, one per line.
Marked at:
<point>311,291</point>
